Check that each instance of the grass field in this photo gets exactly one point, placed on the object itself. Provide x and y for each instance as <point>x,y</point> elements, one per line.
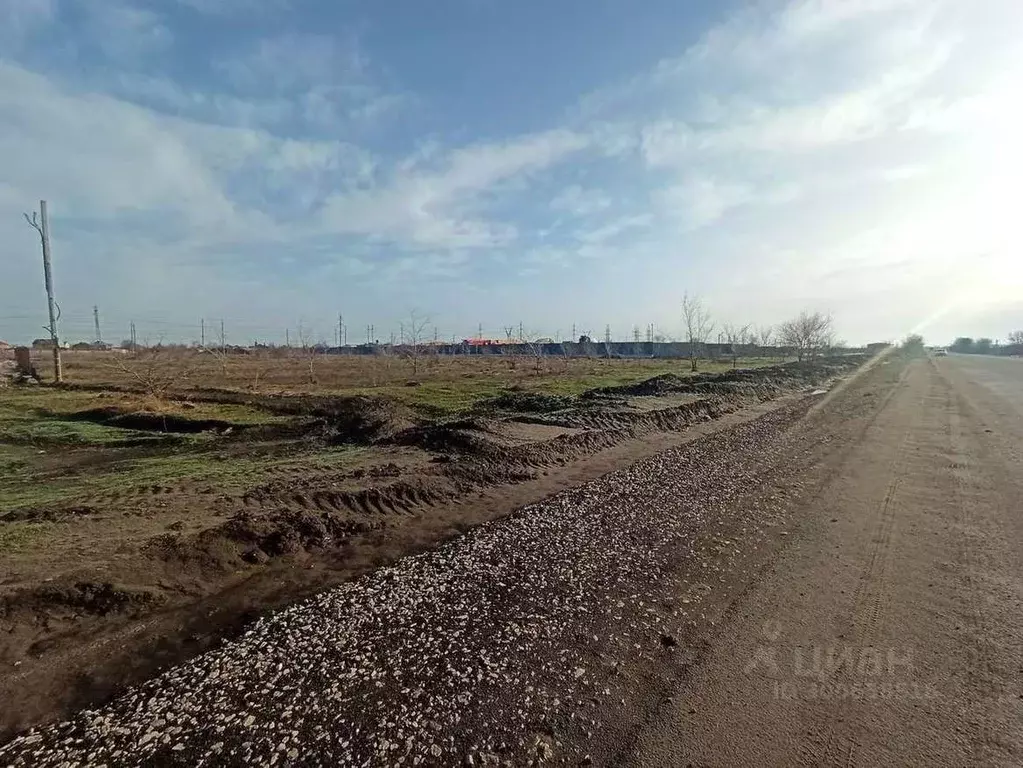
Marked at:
<point>121,423</point>
<point>442,383</point>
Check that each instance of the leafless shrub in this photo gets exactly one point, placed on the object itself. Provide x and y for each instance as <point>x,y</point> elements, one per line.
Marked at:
<point>307,350</point>
<point>413,339</point>
<point>698,326</point>
<point>535,345</point>
<point>810,334</point>
<point>155,370</point>
<point>736,337</point>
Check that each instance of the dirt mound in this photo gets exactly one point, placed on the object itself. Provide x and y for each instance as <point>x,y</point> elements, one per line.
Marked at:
<point>360,418</point>
<point>516,463</point>
<point>761,382</point>
<point>666,383</point>
<point>526,402</point>
<point>83,597</point>
<point>460,436</point>
<point>289,531</point>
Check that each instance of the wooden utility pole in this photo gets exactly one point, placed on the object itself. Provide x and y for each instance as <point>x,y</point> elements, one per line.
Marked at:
<point>223,338</point>
<point>41,225</point>
<point>202,332</point>
<point>134,340</point>
<point>95,317</point>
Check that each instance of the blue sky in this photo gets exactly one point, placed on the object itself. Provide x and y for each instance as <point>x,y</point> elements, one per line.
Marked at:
<point>559,164</point>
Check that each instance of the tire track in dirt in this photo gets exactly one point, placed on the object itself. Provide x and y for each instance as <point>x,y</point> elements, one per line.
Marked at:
<point>826,744</point>
<point>983,551</point>
<point>929,570</point>
<point>817,434</point>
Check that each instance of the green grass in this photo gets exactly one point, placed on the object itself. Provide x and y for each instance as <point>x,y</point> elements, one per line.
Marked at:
<point>20,489</point>
<point>445,399</point>
<point>33,430</point>
<point>20,536</point>
<point>47,416</point>
<point>22,422</point>
<point>34,420</point>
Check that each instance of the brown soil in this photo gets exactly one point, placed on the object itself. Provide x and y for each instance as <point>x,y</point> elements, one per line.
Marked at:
<point>884,628</point>
<point>136,579</point>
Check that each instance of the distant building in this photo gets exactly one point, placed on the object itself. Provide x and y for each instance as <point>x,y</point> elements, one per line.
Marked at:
<point>479,342</point>
<point>878,347</point>
<point>95,346</point>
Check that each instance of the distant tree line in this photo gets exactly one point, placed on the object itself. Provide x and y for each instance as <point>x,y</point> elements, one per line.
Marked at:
<point>966,345</point>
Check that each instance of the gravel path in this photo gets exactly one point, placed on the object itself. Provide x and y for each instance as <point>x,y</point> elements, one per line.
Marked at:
<point>480,652</point>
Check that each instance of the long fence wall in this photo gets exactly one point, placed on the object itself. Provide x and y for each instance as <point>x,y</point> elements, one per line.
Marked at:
<point>613,349</point>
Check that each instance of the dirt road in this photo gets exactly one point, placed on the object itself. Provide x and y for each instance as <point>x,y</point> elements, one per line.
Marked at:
<point>834,582</point>
<point>890,632</point>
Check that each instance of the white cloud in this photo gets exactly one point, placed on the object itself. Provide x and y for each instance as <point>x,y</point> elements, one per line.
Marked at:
<point>290,61</point>
<point>325,82</point>
<point>698,201</point>
<point>580,202</point>
<point>101,154</point>
<point>438,207</point>
<point>614,228</point>
<point>101,159</point>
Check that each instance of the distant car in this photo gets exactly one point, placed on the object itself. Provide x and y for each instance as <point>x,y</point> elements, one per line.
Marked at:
<point>941,353</point>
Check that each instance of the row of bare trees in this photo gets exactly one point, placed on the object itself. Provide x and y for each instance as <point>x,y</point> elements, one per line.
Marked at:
<point>808,335</point>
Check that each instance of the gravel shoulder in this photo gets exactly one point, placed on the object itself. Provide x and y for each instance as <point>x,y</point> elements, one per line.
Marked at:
<point>567,632</point>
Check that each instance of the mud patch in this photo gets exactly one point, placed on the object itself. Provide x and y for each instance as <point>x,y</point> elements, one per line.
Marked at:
<point>88,598</point>
<point>50,515</point>
<point>145,421</point>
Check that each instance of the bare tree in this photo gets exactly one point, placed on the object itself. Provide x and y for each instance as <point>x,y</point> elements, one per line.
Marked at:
<point>535,344</point>
<point>305,341</point>
<point>1016,338</point>
<point>809,334</point>
<point>736,337</point>
<point>157,369</point>
<point>413,339</point>
<point>698,325</point>
<point>765,335</point>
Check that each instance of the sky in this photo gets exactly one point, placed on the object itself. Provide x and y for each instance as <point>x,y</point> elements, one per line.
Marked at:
<point>571,164</point>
